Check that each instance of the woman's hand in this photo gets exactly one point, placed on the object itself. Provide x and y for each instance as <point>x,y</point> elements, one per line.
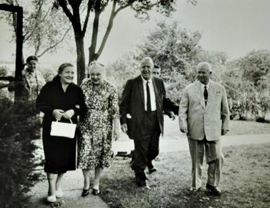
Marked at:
<point>116,129</point>
<point>116,133</point>
<point>57,113</point>
<point>68,114</point>
<point>124,128</point>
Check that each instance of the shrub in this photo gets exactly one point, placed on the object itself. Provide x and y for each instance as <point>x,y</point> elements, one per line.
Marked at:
<point>18,127</point>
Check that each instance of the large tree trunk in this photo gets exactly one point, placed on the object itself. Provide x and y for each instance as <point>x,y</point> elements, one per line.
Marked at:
<point>80,57</point>
<point>94,54</point>
<point>92,48</point>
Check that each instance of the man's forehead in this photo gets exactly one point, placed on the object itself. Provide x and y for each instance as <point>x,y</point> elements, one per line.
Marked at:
<point>146,62</point>
<point>204,66</point>
<point>204,69</point>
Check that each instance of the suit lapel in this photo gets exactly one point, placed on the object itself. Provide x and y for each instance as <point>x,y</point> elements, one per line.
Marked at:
<point>155,88</point>
<point>199,93</point>
<point>140,87</point>
<point>211,92</point>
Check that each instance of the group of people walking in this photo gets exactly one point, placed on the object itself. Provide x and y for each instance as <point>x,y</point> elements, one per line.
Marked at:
<point>203,115</point>
<point>96,102</point>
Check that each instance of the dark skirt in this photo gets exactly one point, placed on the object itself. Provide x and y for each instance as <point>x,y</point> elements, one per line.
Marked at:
<point>60,153</point>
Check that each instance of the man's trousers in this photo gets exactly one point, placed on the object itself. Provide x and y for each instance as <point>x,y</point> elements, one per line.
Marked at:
<point>146,147</point>
<point>214,159</point>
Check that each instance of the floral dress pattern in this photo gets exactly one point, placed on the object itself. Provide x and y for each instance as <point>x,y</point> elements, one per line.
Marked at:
<point>94,146</point>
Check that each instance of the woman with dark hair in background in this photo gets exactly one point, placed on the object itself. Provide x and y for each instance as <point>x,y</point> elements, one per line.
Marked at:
<point>59,100</point>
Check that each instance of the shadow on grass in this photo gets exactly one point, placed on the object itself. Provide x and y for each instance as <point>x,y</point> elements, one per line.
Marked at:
<point>245,182</point>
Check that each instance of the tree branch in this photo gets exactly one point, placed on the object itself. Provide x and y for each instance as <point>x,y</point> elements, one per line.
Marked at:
<point>104,6</point>
<point>38,46</point>
<point>110,25</point>
<point>36,22</point>
<point>87,16</point>
<point>63,4</point>
<point>46,14</point>
<point>123,7</point>
<point>54,45</point>
<point>92,48</point>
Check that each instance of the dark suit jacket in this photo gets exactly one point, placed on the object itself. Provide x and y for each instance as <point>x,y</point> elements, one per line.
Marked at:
<point>132,102</point>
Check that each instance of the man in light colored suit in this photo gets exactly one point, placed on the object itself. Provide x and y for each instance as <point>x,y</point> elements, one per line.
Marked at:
<point>204,117</point>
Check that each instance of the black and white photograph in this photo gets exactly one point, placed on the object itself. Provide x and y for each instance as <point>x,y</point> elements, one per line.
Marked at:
<point>134,103</point>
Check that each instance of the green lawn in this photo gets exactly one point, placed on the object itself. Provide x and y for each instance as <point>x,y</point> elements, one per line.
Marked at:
<point>245,183</point>
<point>236,128</point>
<point>248,127</point>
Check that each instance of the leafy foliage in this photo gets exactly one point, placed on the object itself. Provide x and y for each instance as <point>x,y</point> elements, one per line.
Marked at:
<point>255,65</point>
<point>172,48</point>
<point>247,84</point>
<point>177,51</point>
<point>41,25</point>
<point>18,127</point>
<point>74,10</point>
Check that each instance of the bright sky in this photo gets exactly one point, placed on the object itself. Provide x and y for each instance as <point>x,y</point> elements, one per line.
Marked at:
<point>233,26</point>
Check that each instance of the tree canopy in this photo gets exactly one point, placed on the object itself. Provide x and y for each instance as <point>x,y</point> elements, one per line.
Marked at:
<point>255,65</point>
<point>41,32</point>
<point>73,9</point>
<point>47,23</point>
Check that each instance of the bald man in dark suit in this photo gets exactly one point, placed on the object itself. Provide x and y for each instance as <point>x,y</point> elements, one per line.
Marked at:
<point>143,100</point>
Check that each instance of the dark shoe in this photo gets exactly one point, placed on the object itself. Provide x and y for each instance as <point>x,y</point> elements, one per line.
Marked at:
<point>152,170</point>
<point>96,191</point>
<point>145,186</point>
<point>85,192</point>
<point>215,190</point>
<point>194,190</point>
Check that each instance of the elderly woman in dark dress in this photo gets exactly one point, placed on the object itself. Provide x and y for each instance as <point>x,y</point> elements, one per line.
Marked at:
<point>60,100</point>
<point>99,126</point>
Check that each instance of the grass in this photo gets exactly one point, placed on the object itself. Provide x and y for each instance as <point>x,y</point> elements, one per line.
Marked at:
<point>236,128</point>
<point>245,182</point>
<point>248,127</point>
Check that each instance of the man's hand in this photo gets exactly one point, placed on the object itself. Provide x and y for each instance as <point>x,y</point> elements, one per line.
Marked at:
<point>172,116</point>
<point>224,131</point>
<point>68,114</point>
<point>184,130</point>
<point>57,113</point>
<point>124,128</point>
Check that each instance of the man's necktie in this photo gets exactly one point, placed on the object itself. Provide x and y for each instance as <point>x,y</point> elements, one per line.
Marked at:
<point>148,102</point>
<point>205,93</point>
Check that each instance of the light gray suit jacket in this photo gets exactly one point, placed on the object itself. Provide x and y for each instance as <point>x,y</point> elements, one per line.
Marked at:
<point>198,120</point>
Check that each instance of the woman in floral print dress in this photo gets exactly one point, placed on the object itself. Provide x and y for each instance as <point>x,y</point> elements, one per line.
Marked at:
<point>99,126</point>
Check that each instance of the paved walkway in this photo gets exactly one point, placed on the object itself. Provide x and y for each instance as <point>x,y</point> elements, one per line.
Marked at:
<point>181,143</point>
<point>73,180</point>
<point>72,186</point>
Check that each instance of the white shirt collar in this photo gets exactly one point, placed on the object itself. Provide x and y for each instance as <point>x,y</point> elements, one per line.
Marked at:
<point>145,81</point>
<point>207,86</point>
